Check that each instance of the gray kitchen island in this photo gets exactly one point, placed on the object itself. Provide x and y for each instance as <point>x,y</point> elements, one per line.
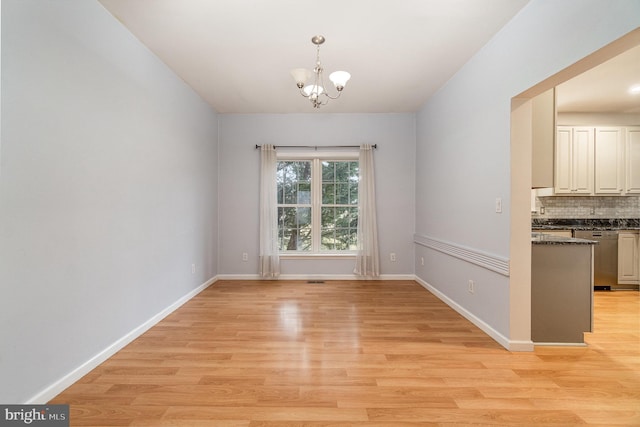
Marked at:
<point>561,289</point>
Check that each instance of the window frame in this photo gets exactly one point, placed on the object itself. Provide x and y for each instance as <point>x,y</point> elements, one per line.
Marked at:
<point>316,158</point>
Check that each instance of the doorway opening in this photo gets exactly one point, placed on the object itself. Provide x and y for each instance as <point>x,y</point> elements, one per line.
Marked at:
<point>521,181</point>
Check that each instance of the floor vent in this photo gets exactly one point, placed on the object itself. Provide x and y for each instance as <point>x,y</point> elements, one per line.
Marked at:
<point>315,281</point>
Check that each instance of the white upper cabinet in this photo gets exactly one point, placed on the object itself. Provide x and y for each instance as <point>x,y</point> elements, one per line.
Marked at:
<point>597,160</point>
<point>574,160</point>
<point>632,157</point>
<point>609,160</point>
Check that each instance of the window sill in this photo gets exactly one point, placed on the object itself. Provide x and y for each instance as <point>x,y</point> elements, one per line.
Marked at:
<point>348,255</point>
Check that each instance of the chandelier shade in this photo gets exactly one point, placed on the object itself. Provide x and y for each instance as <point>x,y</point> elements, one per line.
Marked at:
<point>315,91</point>
<point>312,89</point>
<point>301,75</point>
<point>339,79</point>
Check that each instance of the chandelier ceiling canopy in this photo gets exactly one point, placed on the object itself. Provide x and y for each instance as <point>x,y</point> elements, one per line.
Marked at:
<point>315,91</point>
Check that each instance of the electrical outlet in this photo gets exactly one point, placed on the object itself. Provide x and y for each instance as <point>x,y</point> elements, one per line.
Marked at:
<point>392,256</point>
<point>421,260</point>
<point>245,256</point>
<point>472,286</point>
<point>193,269</point>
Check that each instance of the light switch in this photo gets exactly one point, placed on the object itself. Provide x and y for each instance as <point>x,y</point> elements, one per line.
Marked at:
<point>498,205</point>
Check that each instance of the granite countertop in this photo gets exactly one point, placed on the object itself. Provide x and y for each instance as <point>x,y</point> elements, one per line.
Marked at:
<point>585,224</point>
<point>548,239</point>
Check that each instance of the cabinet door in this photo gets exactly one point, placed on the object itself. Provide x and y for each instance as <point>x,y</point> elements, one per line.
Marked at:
<point>574,160</point>
<point>563,159</point>
<point>628,262</point>
<point>632,152</point>
<point>609,160</point>
<point>582,163</point>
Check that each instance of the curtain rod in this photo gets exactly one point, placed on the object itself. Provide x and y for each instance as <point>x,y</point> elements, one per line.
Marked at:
<point>375,146</point>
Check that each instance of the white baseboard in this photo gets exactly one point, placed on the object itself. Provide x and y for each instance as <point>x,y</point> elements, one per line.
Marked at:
<point>487,329</point>
<point>59,386</point>
<point>520,345</point>
<point>239,277</point>
<point>560,344</point>
<point>397,277</point>
<point>317,277</point>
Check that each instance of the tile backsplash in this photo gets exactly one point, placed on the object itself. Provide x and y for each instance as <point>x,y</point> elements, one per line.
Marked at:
<point>587,207</point>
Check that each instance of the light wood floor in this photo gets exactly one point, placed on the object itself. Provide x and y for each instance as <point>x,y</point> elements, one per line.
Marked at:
<point>355,353</point>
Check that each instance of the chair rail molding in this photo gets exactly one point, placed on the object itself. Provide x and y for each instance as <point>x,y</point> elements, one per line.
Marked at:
<point>491,262</point>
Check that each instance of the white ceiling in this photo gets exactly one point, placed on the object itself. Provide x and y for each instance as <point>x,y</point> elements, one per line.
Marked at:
<point>603,89</point>
<point>237,54</point>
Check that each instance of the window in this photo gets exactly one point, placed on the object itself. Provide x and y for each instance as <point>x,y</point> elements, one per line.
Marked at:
<point>317,205</point>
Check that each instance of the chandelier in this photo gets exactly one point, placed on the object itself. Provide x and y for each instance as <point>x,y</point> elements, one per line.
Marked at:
<point>315,91</point>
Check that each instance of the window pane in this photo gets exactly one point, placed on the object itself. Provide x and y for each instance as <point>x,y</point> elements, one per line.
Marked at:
<point>304,171</point>
<point>328,170</point>
<point>290,194</point>
<point>286,223</point>
<point>328,240</point>
<point>353,218</point>
<point>328,217</point>
<point>304,239</point>
<point>294,229</point>
<point>342,217</point>
<point>288,180</point>
<point>354,178</point>
<point>304,193</point>
<point>328,194</point>
<point>343,235</point>
<point>353,240</point>
<point>342,171</point>
<point>339,223</point>
<point>339,228</point>
<point>354,171</point>
<point>342,193</point>
<point>353,193</point>
<point>339,217</point>
<point>294,222</point>
<point>293,182</point>
<point>280,173</point>
<point>304,217</point>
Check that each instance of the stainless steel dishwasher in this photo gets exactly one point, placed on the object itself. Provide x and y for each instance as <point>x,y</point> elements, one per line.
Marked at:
<point>605,257</point>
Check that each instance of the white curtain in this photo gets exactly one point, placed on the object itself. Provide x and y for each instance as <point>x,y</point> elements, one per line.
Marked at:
<point>367,258</point>
<point>269,258</point>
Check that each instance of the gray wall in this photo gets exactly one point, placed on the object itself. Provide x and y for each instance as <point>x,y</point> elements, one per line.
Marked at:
<point>239,183</point>
<point>107,193</point>
<point>463,143</point>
